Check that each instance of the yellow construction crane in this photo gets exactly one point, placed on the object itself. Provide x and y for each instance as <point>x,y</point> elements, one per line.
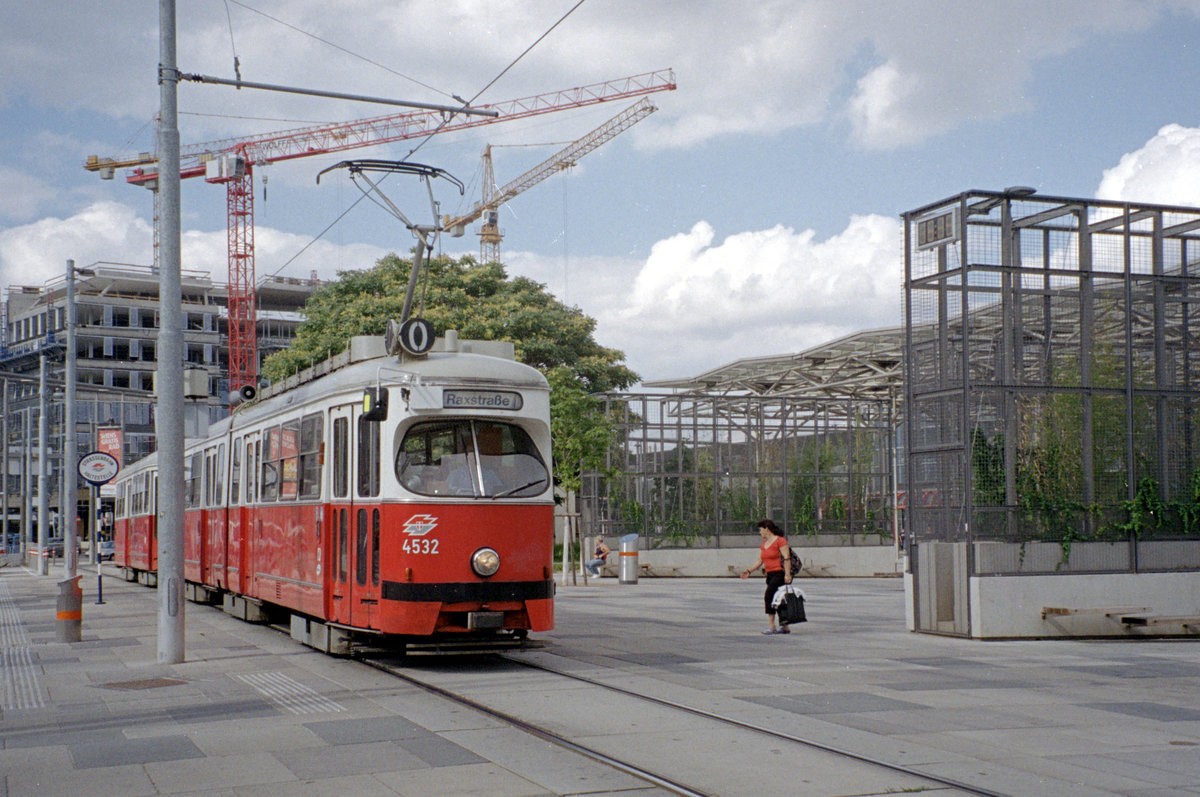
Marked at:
<point>488,207</point>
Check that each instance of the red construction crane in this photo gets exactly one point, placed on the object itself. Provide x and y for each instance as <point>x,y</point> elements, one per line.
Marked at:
<point>231,161</point>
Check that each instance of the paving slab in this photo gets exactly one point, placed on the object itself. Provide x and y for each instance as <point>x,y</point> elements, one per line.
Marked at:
<point>251,713</point>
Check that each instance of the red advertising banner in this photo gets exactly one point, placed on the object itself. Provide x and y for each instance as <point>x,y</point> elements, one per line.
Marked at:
<point>108,440</point>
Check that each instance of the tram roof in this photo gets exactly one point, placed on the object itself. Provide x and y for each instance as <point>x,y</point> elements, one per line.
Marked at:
<point>363,365</point>
<point>864,365</point>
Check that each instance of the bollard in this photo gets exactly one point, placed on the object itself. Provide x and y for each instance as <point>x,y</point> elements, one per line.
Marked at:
<point>628,568</point>
<point>99,582</point>
<point>70,611</point>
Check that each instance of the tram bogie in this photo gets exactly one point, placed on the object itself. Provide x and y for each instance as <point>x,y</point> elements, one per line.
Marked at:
<point>423,514</point>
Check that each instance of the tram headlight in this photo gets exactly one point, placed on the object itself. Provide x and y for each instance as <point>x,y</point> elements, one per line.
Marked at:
<point>485,562</point>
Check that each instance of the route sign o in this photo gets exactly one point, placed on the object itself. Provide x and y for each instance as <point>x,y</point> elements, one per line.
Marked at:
<point>416,336</point>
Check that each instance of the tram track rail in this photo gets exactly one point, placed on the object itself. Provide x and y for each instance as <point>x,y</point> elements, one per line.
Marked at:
<point>535,730</point>
<point>770,732</point>
<point>396,667</point>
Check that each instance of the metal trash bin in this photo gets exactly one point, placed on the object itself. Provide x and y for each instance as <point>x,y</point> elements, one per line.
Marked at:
<point>628,569</point>
<point>69,625</point>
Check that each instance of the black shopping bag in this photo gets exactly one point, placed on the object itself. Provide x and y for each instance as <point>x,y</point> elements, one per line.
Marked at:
<point>791,608</point>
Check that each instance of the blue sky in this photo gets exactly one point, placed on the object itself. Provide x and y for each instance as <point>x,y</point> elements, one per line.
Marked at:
<point>755,213</point>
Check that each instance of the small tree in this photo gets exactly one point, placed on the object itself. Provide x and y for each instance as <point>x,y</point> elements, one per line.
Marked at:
<point>582,434</point>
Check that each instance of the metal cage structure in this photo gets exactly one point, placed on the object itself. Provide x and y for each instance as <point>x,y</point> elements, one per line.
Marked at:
<point>806,439</point>
<point>1052,378</point>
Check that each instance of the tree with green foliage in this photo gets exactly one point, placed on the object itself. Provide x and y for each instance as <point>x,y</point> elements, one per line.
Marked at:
<point>582,434</point>
<point>482,303</point>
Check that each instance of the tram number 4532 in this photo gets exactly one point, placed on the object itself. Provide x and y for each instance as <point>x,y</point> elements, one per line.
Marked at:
<point>420,546</point>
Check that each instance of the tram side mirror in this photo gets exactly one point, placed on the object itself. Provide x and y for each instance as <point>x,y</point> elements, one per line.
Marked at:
<point>375,404</point>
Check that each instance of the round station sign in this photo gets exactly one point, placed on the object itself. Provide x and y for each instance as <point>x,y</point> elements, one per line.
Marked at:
<point>98,467</point>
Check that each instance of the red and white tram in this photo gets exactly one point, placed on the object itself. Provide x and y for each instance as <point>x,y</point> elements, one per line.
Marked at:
<point>403,496</point>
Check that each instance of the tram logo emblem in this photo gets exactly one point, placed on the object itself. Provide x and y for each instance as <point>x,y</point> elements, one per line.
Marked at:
<point>420,525</point>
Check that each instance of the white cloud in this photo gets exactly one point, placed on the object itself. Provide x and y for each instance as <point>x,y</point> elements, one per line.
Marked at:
<point>756,293</point>
<point>899,71</point>
<point>695,303</point>
<point>32,253</point>
<point>112,232</point>
<point>1166,170</point>
<point>876,112</point>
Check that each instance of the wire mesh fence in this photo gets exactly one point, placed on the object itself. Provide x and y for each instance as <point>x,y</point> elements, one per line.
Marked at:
<point>692,470</point>
<point>1052,373</point>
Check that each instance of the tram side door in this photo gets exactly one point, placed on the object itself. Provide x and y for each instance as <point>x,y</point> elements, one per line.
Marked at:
<point>339,513</point>
<point>363,575</point>
<point>352,552</point>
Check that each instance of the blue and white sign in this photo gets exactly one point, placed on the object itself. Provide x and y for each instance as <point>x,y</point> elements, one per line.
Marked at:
<point>98,467</point>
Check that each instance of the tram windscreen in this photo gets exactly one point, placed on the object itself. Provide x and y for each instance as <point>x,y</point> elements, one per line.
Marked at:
<point>470,459</point>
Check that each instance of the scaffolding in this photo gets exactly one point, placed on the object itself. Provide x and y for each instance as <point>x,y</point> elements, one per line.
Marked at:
<point>1052,377</point>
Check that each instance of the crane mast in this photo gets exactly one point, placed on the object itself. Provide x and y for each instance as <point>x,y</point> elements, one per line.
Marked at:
<point>493,198</point>
<point>231,161</point>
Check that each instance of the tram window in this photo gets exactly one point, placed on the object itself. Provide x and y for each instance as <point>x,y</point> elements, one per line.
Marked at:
<point>469,458</point>
<point>341,457</point>
<point>270,465</point>
<point>191,477</point>
<point>206,483</point>
<point>235,475</point>
<point>289,459</point>
<point>343,517</point>
<point>310,455</point>
<point>251,474</point>
<point>368,458</point>
<point>219,476</point>
<point>375,547</point>
<point>360,548</point>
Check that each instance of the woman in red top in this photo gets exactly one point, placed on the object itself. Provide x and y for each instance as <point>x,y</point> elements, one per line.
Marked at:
<point>774,558</point>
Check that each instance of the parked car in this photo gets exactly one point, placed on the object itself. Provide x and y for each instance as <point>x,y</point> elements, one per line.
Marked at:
<point>107,550</point>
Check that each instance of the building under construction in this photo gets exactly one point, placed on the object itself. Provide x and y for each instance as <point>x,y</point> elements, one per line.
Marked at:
<point>117,328</point>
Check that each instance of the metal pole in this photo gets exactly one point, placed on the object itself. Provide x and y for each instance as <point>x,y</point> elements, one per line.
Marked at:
<point>4,486</point>
<point>94,493</point>
<point>70,495</point>
<point>26,468</point>
<point>43,519</point>
<point>169,415</point>
<point>337,95</point>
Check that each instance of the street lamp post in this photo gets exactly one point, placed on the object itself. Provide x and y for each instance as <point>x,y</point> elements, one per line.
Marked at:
<point>69,505</point>
<point>169,416</point>
<point>43,518</point>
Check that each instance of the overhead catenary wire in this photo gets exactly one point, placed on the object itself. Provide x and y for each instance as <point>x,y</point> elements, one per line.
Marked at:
<point>339,47</point>
<point>494,80</point>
